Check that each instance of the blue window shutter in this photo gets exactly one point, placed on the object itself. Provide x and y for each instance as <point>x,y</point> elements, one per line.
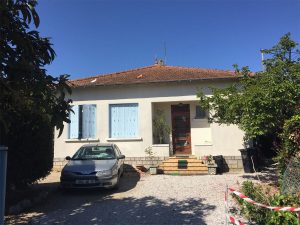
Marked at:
<point>93,111</point>
<point>121,116</point>
<point>112,121</point>
<point>127,124</point>
<point>89,121</point>
<point>123,120</point>
<point>74,125</point>
<point>85,121</point>
<point>132,120</point>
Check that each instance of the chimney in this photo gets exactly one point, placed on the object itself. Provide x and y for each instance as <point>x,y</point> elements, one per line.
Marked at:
<point>159,62</point>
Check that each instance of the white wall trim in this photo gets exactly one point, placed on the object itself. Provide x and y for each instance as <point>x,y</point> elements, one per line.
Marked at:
<point>125,139</point>
<point>82,140</point>
<point>160,145</point>
<point>208,144</point>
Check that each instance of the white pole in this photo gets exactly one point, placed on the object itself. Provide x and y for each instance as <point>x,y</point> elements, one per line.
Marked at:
<point>226,205</point>
<point>262,59</point>
<point>3,163</point>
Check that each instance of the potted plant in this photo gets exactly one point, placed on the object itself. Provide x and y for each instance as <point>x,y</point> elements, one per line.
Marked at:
<point>153,168</point>
<point>160,126</point>
<point>211,165</point>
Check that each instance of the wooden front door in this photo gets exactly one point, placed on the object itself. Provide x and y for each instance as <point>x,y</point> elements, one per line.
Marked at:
<point>181,129</point>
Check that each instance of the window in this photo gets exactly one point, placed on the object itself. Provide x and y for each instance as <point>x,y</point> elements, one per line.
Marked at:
<point>200,113</point>
<point>83,122</point>
<point>123,120</point>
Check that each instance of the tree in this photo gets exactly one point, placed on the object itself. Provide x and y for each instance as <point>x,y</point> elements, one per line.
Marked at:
<point>27,93</point>
<point>261,102</point>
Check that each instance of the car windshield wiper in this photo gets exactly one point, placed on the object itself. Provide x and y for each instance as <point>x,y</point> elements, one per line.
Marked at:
<point>101,158</point>
<point>92,158</point>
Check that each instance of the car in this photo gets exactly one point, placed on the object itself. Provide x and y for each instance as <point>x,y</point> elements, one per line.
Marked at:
<point>93,166</point>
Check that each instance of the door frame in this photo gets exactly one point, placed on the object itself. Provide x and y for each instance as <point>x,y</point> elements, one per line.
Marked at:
<point>186,110</point>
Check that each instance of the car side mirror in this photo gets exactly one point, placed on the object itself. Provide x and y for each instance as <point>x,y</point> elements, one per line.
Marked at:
<point>68,158</point>
<point>121,157</point>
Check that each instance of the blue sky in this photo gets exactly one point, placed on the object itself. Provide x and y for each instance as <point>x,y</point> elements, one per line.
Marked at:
<point>94,37</point>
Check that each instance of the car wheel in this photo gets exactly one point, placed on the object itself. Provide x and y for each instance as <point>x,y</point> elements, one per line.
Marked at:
<point>117,185</point>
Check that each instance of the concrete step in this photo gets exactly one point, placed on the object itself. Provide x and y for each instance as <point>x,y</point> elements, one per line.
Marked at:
<point>179,172</point>
<point>184,169</point>
<point>183,157</point>
<point>183,165</point>
<point>188,160</point>
<point>189,164</point>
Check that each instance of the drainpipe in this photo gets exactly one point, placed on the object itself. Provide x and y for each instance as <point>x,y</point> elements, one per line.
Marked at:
<point>3,162</point>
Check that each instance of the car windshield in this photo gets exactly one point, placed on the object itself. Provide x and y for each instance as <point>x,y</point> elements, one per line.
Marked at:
<point>94,153</point>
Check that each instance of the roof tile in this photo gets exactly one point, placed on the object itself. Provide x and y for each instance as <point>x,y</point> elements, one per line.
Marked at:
<point>153,74</point>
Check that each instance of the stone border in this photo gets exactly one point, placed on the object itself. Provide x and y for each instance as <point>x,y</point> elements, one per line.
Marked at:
<point>232,164</point>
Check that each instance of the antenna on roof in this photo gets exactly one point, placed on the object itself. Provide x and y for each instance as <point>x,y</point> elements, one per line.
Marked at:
<point>165,51</point>
<point>262,59</point>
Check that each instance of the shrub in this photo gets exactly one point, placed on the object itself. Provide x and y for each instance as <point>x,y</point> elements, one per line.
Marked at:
<point>291,143</point>
<point>281,217</point>
<point>30,149</point>
<point>264,195</point>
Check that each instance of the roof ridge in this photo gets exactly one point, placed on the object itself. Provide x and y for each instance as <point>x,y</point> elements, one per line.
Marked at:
<point>109,74</point>
<point>200,68</point>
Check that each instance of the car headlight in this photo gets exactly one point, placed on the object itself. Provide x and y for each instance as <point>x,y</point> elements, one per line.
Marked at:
<point>103,173</point>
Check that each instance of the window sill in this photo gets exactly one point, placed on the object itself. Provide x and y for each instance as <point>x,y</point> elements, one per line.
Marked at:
<point>125,139</point>
<point>201,119</point>
<point>82,140</point>
<point>160,145</point>
<point>204,144</point>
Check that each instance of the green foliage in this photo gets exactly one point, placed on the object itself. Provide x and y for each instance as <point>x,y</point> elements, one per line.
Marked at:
<point>30,154</point>
<point>160,126</point>
<point>32,102</point>
<point>280,217</point>
<point>291,142</point>
<point>250,211</point>
<point>24,83</point>
<point>260,103</point>
<point>264,195</point>
<point>149,152</point>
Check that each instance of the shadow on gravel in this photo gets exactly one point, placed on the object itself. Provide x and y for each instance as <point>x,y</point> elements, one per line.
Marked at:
<point>268,174</point>
<point>109,207</point>
<point>127,211</point>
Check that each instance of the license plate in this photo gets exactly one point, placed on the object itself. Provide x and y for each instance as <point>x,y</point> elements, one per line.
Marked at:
<point>85,181</point>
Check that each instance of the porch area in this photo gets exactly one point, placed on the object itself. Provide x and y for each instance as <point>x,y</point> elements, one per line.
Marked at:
<point>180,128</point>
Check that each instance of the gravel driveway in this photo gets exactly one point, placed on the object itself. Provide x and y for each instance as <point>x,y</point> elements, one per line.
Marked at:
<point>159,199</point>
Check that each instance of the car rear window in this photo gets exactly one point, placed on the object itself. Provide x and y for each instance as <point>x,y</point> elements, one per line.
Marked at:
<point>94,152</point>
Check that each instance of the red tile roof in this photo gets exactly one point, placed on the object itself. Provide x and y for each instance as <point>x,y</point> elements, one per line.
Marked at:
<point>154,74</point>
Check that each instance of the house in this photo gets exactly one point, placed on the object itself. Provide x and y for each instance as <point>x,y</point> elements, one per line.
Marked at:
<point>120,108</point>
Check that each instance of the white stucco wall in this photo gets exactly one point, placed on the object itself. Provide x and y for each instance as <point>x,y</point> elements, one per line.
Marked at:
<point>206,138</point>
